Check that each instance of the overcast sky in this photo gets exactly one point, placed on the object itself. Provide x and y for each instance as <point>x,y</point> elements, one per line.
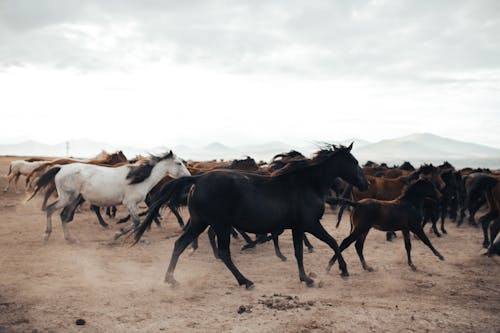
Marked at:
<point>149,73</point>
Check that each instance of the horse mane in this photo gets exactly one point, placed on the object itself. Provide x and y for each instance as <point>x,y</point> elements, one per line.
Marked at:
<point>427,169</point>
<point>290,154</point>
<point>139,173</point>
<point>35,159</point>
<point>319,157</point>
<point>247,164</point>
<point>109,159</point>
<point>446,165</point>
<point>370,164</point>
<point>407,166</point>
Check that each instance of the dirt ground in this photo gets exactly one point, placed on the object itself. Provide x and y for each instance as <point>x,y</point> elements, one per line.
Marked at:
<point>118,288</point>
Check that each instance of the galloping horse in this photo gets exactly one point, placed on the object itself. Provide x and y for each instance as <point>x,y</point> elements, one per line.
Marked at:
<point>21,167</point>
<point>403,213</point>
<point>291,198</point>
<point>106,186</point>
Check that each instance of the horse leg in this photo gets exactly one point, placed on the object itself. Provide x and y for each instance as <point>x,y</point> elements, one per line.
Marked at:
<point>406,234</point>
<point>47,195</point>
<point>59,203</point>
<point>317,230</point>
<point>298,239</point>
<point>67,216</point>
<point>245,236</point>
<point>211,238</point>
<point>234,233</point>
<point>276,244</point>
<point>390,235</point>
<point>177,215</point>
<point>6,188</point>
<point>355,234</point>
<point>434,219</point>
<point>97,212</point>
<point>223,240</point>
<point>307,243</point>
<point>360,242</point>
<point>417,230</point>
<point>134,214</point>
<point>485,222</point>
<point>15,181</point>
<point>108,211</point>
<point>193,229</point>
<point>443,217</point>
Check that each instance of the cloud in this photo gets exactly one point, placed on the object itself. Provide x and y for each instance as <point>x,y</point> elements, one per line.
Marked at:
<point>375,40</point>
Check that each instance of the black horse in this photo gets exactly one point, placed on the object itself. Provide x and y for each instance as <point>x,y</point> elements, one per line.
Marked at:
<point>291,198</point>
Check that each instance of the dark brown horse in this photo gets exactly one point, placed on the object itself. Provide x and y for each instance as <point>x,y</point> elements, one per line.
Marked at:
<point>404,213</point>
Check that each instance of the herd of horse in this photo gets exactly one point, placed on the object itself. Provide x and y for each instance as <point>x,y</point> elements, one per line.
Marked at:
<point>290,192</point>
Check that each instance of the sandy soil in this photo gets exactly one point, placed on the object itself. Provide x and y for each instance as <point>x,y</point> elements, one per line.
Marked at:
<point>118,288</point>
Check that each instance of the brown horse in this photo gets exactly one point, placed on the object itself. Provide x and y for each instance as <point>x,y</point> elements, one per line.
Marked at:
<point>379,188</point>
<point>403,213</point>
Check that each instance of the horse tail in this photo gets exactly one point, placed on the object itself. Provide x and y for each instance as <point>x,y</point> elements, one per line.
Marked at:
<point>347,192</point>
<point>10,169</point>
<point>45,180</point>
<point>166,193</point>
<point>349,202</point>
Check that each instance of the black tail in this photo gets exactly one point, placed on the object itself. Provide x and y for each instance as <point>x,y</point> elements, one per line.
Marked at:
<point>347,192</point>
<point>45,180</point>
<point>169,190</point>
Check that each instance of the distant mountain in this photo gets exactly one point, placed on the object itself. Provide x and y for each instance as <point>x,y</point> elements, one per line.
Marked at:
<point>78,148</point>
<point>416,148</point>
<point>426,147</point>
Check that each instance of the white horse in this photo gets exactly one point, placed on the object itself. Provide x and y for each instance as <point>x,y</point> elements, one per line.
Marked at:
<point>18,168</point>
<point>104,186</point>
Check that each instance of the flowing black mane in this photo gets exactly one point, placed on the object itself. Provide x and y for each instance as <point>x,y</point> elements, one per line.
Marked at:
<point>139,173</point>
<point>301,163</point>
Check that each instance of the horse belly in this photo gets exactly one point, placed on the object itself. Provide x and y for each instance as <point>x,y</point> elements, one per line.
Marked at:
<point>102,195</point>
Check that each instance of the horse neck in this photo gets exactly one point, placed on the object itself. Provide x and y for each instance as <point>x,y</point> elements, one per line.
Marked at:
<point>325,173</point>
<point>159,171</point>
<point>413,196</point>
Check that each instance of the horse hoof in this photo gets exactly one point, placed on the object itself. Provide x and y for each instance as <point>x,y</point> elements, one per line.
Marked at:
<point>344,274</point>
<point>249,285</point>
<point>369,269</point>
<point>444,231</point>
<point>441,257</point>
<point>413,268</point>
<point>310,283</point>
<point>117,235</point>
<point>283,258</point>
<point>310,249</point>
<point>172,282</point>
<point>486,244</point>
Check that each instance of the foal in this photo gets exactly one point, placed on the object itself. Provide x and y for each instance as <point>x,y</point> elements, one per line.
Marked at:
<point>403,213</point>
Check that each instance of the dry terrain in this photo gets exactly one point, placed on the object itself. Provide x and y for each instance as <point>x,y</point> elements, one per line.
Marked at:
<point>118,288</point>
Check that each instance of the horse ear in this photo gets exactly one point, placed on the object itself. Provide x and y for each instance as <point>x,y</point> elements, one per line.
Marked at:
<point>350,146</point>
<point>335,148</point>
